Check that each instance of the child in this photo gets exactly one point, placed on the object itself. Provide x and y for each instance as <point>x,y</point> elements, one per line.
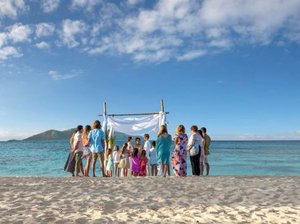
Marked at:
<point>143,164</point>
<point>135,162</point>
<point>128,162</point>
<point>153,159</point>
<point>109,165</point>
<point>116,157</point>
<point>122,164</point>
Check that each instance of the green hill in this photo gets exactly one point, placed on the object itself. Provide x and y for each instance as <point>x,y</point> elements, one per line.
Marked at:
<point>65,135</point>
<point>52,135</point>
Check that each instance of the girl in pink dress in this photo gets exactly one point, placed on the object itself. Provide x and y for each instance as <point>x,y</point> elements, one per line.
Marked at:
<point>135,162</point>
<point>143,164</point>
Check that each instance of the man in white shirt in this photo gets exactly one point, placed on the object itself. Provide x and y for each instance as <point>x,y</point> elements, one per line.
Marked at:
<point>193,148</point>
<point>147,147</point>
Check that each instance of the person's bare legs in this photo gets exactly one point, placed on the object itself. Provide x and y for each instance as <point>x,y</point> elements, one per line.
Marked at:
<point>123,172</point>
<point>202,160</point>
<point>82,170</point>
<point>165,170</point>
<point>87,166</point>
<point>201,168</point>
<point>169,171</point>
<point>148,170</point>
<point>94,165</point>
<point>162,169</point>
<point>155,170</point>
<point>101,160</point>
<point>207,169</point>
<point>108,173</point>
<point>116,169</point>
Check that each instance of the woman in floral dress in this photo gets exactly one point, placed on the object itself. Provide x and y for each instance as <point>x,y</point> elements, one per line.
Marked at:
<point>179,155</point>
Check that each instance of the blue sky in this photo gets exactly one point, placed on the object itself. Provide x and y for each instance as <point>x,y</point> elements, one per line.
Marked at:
<point>232,66</point>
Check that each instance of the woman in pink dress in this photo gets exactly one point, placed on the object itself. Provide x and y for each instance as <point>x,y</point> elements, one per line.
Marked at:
<point>143,164</point>
<point>135,162</point>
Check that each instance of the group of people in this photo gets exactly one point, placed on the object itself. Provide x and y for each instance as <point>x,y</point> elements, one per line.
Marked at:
<point>132,160</point>
<point>139,159</point>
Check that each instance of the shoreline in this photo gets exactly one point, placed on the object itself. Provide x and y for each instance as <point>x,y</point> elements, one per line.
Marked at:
<point>213,199</point>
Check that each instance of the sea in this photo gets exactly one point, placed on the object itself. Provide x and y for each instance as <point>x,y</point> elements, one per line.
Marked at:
<point>227,158</point>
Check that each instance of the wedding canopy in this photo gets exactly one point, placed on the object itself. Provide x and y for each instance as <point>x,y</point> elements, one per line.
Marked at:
<point>135,125</point>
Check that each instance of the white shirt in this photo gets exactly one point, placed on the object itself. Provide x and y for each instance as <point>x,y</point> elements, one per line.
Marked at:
<point>194,140</point>
<point>116,156</point>
<point>147,147</point>
<point>78,138</point>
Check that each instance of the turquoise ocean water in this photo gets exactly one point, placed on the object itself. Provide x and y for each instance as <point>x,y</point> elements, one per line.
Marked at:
<point>260,158</point>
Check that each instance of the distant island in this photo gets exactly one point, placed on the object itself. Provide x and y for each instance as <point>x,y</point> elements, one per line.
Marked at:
<point>65,135</point>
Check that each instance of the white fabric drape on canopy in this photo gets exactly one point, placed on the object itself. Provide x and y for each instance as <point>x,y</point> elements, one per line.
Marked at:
<point>136,125</point>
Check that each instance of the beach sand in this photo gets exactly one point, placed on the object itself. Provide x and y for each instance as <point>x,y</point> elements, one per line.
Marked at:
<point>150,200</point>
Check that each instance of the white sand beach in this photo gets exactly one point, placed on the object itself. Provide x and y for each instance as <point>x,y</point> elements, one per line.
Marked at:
<point>150,200</point>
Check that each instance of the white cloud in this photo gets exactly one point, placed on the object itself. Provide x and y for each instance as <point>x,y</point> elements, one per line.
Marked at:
<point>3,39</point>
<point>9,51</point>
<point>57,76</point>
<point>11,8</point>
<point>42,45</point>
<point>167,30</point>
<point>191,55</point>
<point>220,43</point>
<point>70,29</point>
<point>19,33</point>
<point>49,5</point>
<point>44,29</point>
<point>153,56</point>
<point>211,25</point>
<point>85,4</point>
<point>253,21</point>
<point>134,2</point>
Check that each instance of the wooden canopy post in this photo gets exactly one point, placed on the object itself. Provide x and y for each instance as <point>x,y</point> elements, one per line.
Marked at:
<point>105,136</point>
<point>162,106</point>
<point>105,129</point>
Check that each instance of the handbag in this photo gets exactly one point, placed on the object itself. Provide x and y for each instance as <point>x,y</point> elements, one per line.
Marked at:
<point>194,151</point>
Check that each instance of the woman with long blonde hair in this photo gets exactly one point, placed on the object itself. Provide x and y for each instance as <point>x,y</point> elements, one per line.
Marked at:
<point>179,155</point>
<point>86,151</point>
<point>163,144</point>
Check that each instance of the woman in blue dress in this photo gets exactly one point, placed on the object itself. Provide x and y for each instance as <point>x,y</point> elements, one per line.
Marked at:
<point>163,146</point>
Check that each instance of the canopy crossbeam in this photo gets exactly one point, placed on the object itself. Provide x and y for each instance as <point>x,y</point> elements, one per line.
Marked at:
<point>162,109</point>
